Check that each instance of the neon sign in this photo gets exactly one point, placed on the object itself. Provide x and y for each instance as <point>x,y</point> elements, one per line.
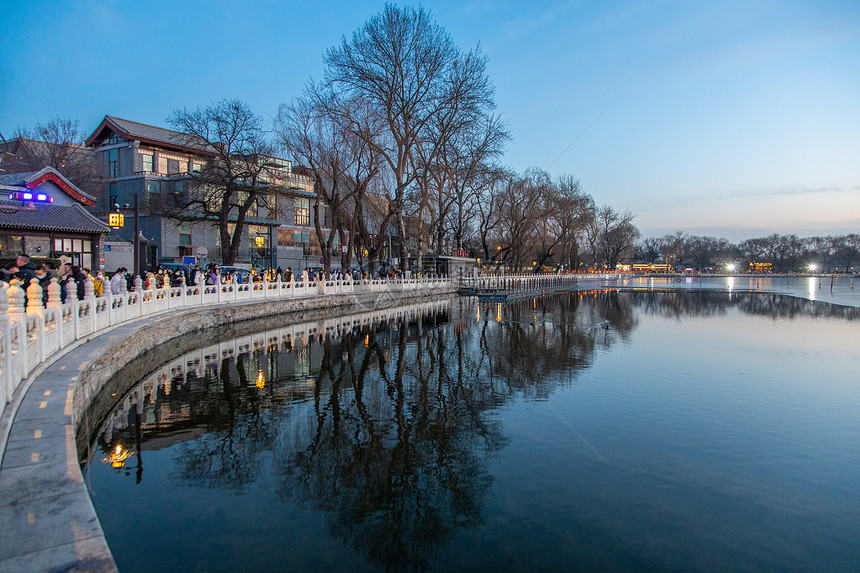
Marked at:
<point>26,196</point>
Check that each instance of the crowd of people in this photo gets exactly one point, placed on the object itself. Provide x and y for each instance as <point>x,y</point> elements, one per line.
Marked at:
<point>72,278</point>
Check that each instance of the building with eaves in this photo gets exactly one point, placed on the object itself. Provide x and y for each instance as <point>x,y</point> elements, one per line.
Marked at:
<point>44,215</point>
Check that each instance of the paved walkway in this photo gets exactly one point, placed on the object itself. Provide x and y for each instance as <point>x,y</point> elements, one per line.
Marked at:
<point>47,520</point>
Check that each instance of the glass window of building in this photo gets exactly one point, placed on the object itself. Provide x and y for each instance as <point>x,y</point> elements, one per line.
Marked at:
<point>147,163</point>
<point>185,233</point>
<point>113,163</point>
<point>302,212</point>
<point>162,165</point>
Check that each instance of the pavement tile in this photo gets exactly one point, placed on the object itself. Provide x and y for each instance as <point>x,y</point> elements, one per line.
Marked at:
<point>47,522</point>
<point>85,556</point>
<point>33,452</point>
<point>42,407</point>
<point>26,430</point>
<point>21,485</point>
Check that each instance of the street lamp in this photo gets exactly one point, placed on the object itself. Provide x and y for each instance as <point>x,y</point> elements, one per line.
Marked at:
<point>116,220</point>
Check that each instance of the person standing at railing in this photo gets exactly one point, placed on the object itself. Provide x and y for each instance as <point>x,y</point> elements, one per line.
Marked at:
<point>99,284</point>
<point>116,280</point>
<point>44,276</point>
<point>26,269</point>
<point>74,283</point>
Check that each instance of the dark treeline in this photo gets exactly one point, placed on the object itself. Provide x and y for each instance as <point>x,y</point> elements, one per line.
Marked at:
<point>784,253</point>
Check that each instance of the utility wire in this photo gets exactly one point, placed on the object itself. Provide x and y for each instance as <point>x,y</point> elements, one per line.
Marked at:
<point>575,139</point>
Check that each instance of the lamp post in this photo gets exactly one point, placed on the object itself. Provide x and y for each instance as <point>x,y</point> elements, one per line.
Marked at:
<point>118,223</point>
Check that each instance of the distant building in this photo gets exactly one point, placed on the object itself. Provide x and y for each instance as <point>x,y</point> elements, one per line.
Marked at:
<point>156,164</point>
<point>43,215</point>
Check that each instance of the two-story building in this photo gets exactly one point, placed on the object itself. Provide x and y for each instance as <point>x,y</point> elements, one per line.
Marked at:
<point>157,165</point>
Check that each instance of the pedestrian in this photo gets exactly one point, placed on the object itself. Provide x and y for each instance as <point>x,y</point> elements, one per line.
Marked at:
<point>44,276</point>
<point>116,281</point>
<point>26,269</point>
<point>99,284</point>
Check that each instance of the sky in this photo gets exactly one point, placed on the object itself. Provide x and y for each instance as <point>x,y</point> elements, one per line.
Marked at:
<point>731,119</point>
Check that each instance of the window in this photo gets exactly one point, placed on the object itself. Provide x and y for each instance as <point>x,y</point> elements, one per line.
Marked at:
<point>153,188</point>
<point>302,213</point>
<point>113,199</point>
<point>113,163</point>
<point>147,163</point>
<point>172,166</point>
<point>185,233</point>
<point>197,167</point>
<point>162,165</point>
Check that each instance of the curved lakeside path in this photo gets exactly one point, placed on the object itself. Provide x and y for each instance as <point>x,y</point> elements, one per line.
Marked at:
<point>47,520</point>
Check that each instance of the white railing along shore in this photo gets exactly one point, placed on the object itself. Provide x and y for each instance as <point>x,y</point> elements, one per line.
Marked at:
<point>34,334</point>
<point>529,282</point>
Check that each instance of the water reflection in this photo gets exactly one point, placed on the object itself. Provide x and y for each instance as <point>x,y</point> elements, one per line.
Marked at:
<point>385,425</point>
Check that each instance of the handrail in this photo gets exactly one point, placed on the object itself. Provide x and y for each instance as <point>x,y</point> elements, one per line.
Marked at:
<point>37,334</point>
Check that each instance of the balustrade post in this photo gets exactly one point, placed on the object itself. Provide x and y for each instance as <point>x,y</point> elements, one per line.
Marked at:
<point>6,382</point>
<point>182,295</point>
<point>34,298</point>
<point>16,302</point>
<point>138,285</point>
<point>55,294</point>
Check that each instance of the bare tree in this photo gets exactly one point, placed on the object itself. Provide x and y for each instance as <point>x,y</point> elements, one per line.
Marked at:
<point>58,144</point>
<point>406,72</point>
<point>341,162</point>
<point>616,235</point>
<point>240,176</point>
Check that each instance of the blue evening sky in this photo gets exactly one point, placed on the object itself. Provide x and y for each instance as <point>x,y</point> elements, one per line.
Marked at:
<point>735,119</point>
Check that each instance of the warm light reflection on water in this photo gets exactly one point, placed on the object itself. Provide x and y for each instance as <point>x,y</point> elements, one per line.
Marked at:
<point>634,431</point>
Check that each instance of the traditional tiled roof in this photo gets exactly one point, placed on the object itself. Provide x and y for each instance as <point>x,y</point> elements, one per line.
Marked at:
<point>46,217</point>
<point>33,179</point>
<point>137,131</point>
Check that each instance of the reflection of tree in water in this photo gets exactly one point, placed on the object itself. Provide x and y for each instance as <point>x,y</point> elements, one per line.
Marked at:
<point>533,341</point>
<point>702,304</point>
<point>398,451</point>
<point>239,432</point>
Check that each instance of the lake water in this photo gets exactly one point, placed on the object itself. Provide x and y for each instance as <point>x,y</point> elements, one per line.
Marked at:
<point>579,432</point>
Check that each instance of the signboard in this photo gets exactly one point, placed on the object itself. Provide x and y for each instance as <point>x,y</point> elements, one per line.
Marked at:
<point>189,260</point>
<point>107,247</point>
<point>116,220</point>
